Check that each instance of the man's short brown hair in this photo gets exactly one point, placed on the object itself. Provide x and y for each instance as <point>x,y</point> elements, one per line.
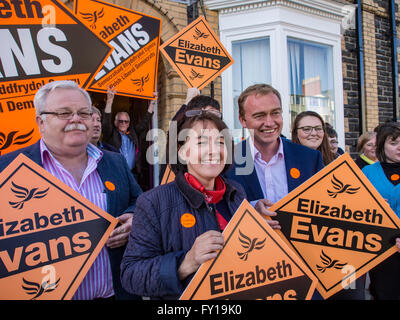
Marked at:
<point>258,89</point>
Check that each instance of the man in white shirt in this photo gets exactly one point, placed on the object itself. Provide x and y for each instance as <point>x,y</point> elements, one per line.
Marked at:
<point>267,165</point>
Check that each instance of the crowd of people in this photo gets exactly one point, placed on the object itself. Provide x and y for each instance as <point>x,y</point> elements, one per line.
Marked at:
<point>153,252</point>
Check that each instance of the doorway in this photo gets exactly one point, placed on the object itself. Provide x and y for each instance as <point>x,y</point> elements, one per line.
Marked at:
<point>137,109</point>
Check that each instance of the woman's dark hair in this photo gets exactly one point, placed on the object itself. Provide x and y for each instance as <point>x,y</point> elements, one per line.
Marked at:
<point>385,131</point>
<point>184,122</point>
<point>330,131</point>
<point>202,101</point>
<point>327,155</point>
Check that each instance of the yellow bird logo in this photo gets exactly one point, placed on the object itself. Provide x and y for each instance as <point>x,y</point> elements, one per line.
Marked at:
<point>340,187</point>
<point>249,245</point>
<point>199,34</point>
<point>141,82</point>
<point>93,17</point>
<point>13,138</point>
<point>195,75</point>
<point>26,195</point>
<point>34,288</point>
<point>329,263</point>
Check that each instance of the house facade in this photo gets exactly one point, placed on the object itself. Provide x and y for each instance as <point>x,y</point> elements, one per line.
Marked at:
<point>336,57</point>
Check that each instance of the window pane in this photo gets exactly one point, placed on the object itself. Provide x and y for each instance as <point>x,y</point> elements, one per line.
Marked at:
<point>311,79</point>
<point>252,65</point>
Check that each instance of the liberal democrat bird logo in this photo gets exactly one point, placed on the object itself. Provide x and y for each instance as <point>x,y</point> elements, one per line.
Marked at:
<point>93,17</point>
<point>13,138</point>
<point>34,288</point>
<point>198,34</point>
<point>250,245</point>
<point>141,82</point>
<point>340,187</point>
<point>26,195</point>
<point>195,75</point>
<point>328,263</point>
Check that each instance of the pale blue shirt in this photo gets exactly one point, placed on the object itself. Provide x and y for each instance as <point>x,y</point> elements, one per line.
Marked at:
<point>272,174</point>
<point>128,150</point>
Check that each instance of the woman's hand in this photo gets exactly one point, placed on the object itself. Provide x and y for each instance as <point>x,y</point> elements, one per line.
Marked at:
<point>152,103</point>
<point>398,244</point>
<point>204,248</point>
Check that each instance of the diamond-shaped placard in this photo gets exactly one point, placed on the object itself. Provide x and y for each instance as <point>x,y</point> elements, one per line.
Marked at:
<point>41,41</point>
<point>132,66</point>
<point>49,234</point>
<point>338,224</point>
<point>197,54</point>
<point>255,263</point>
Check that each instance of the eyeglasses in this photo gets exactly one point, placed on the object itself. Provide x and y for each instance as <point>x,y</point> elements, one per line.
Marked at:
<point>68,115</point>
<point>309,129</point>
<point>123,121</point>
<point>198,112</point>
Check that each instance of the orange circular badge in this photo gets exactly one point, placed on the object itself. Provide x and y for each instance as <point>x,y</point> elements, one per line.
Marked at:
<point>188,220</point>
<point>109,185</point>
<point>395,177</point>
<point>295,173</point>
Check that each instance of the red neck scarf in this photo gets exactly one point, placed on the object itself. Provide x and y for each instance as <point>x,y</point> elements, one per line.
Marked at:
<point>211,196</point>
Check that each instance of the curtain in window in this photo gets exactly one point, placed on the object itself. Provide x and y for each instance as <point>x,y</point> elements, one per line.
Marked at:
<point>252,65</point>
<point>311,78</point>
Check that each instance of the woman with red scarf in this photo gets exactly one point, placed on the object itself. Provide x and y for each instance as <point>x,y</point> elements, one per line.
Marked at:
<point>176,227</point>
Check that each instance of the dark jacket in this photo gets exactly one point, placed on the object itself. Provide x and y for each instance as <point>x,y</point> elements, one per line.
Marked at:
<point>158,242</point>
<point>307,161</point>
<point>106,146</point>
<point>112,136</point>
<point>360,162</point>
<point>112,167</point>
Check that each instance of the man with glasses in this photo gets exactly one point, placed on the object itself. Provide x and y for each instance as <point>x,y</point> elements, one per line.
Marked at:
<point>64,116</point>
<point>267,165</point>
<point>124,135</point>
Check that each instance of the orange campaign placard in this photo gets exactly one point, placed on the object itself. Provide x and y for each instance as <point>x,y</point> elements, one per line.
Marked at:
<point>168,176</point>
<point>49,234</point>
<point>42,41</point>
<point>197,54</point>
<point>255,263</point>
<point>135,37</point>
<point>338,224</point>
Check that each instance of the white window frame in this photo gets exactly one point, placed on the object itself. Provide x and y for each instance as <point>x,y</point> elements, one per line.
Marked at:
<point>278,22</point>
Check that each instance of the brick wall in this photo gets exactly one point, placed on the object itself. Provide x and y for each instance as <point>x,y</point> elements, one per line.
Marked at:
<point>377,71</point>
<point>171,88</point>
<point>350,88</point>
<point>384,68</point>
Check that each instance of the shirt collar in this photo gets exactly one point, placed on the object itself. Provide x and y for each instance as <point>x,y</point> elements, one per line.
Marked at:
<point>93,152</point>
<point>257,154</point>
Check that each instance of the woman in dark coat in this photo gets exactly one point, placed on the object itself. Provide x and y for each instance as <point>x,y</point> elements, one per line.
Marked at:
<point>366,147</point>
<point>385,176</point>
<point>176,227</point>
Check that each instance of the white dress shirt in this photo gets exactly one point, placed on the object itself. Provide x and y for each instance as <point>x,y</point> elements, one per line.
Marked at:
<point>272,174</point>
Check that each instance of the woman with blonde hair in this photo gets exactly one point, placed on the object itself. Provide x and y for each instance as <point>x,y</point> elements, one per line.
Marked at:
<point>366,147</point>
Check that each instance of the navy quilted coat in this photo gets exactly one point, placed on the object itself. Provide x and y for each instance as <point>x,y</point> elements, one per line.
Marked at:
<point>158,242</point>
